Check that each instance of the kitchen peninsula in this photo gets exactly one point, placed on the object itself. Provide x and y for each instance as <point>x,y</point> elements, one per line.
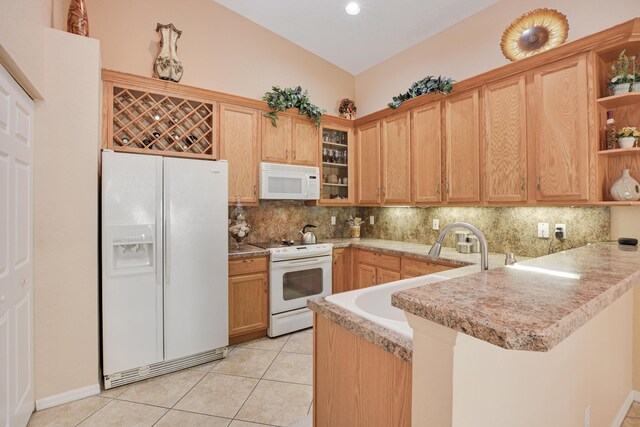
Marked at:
<point>488,347</point>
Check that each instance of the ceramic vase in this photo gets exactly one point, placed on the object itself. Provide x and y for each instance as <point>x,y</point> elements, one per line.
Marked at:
<point>621,88</point>
<point>625,188</point>
<point>354,231</point>
<point>168,66</point>
<point>626,142</point>
<point>77,19</point>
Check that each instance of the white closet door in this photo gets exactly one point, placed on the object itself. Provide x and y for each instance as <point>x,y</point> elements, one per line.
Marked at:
<point>16,253</point>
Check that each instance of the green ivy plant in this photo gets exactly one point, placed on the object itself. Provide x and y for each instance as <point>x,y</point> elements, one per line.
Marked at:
<point>429,84</point>
<point>282,99</point>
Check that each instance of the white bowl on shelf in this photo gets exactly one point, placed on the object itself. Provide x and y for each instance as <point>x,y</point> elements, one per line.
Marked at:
<point>627,142</point>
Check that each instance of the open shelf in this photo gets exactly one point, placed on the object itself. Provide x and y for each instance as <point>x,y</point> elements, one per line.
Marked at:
<point>618,152</point>
<point>335,185</point>
<point>338,165</point>
<point>333,144</point>
<point>617,101</point>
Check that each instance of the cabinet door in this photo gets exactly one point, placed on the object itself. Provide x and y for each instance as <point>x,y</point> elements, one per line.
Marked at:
<point>368,164</point>
<point>248,303</point>
<point>305,143</point>
<point>396,159</point>
<point>239,145</point>
<point>463,147</point>
<point>387,276</point>
<point>366,276</point>
<point>561,130</point>
<point>426,153</point>
<point>341,280</point>
<point>505,141</point>
<point>276,141</point>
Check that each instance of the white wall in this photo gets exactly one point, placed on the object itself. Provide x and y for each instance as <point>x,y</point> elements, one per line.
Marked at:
<point>66,217</point>
<point>472,46</point>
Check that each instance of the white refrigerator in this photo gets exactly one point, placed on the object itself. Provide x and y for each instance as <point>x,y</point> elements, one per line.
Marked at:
<point>164,264</point>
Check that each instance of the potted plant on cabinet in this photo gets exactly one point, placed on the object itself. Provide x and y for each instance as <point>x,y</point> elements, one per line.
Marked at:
<point>635,66</point>
<point>627,137</point>
<point>620,78</point>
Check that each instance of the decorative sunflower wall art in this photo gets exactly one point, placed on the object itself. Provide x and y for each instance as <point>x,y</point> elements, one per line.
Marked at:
<point>534,32</point>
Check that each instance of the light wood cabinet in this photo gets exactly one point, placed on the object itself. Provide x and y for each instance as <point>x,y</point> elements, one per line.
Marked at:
<point>412,267</point>
<point>356,383</point>
<point>386,276</point>
<point>248,299</point>
<point>305,143</point>
<point>505,141</point>
<point>426,153</point>
<point>366,276</point>
<point>368,164</point>
<point>276,140</point>
<point>561,131</point>
<point>376,268</point>
<point>338,158</point>
<point>293,141</point>
<point>240,145</point>
<point>396,159</point>
<point>342,277</point>
<point>462,146</point>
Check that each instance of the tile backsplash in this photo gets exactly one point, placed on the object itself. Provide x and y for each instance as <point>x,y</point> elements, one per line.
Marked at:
<point>508,229</point>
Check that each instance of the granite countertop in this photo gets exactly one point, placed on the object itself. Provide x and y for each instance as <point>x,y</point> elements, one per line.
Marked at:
<point>387,339</point>
<point>246,251</point>
<point>531,307</point>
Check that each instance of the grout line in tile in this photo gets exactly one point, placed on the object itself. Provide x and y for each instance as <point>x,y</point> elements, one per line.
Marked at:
<point>90,415</point>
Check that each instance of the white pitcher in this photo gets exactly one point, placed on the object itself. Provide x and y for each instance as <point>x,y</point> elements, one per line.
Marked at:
<point>168,66</point>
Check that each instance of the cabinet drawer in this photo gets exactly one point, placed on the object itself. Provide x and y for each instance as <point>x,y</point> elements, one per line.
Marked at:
<point>247,266</point>
<point>413,267</point>
<point>389,262</point>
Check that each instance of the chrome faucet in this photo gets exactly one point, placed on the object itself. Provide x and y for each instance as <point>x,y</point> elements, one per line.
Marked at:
<point>484,250</point>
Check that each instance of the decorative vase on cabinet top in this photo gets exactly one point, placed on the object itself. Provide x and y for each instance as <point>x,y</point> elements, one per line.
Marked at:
<point>625,188</point>
<point>168,66</point>
<point>77,19</point>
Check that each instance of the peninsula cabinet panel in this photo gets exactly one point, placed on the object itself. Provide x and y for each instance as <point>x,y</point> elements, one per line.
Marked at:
<point>368,164</point>
<point>276,140</point>
<point>396,159</point>
<point>463,147</point>
<point>505,141</point>
<point>426,153</point>
<point>561,131</point>
<point>356,383</point>
<point>342,279</point>
<point>305,143</point>
<point>240,145</point>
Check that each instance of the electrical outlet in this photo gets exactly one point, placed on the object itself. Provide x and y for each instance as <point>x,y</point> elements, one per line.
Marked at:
<point>543,230</point>
<point>372,220</point>
<point>561,231</point>
<point>333,220</point>
<point>587,416</point>
<point>436,224</point>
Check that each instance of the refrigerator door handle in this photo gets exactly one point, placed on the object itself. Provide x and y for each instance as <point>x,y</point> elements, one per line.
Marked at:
<point>167,227</point>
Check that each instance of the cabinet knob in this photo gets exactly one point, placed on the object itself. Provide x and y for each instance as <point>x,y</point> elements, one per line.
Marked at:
<point>438,188</point>
<point>255,189</point>
<point>286,154</point>
<point>446,187</point>
<point>247,260</point>
<point>294,154</point>
<point>522,183</point>
<point>538,182</point>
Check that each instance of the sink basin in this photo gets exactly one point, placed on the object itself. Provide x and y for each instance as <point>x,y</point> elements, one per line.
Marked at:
<point>374,303</point>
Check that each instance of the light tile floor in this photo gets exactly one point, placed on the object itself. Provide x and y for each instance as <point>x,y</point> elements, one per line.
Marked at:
<point>633,416</point>
<point>266,382</point>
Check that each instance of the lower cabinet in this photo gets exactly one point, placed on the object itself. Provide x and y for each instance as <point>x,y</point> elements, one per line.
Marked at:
<point>248,299</point>
<point>342,277</point>
<point>375,268</point>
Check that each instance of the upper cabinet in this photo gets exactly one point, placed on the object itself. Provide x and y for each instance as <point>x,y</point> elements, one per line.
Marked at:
<point>368,164</point>
<point>396,159</point>
<point>561,131</point>
<point>505,141</point>
<point>240,145</point>
<point>338,152</point>
<point>293,140</point>
<point>426,153</point>
<point>462,147</point>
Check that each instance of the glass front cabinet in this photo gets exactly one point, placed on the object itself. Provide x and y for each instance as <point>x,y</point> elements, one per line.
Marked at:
<point>336,166</point>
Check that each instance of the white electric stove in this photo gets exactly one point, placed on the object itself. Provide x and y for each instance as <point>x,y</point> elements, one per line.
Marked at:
<point>297,273</point>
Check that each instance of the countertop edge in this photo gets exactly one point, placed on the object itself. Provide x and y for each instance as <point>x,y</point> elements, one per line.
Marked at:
<point>378,335</point>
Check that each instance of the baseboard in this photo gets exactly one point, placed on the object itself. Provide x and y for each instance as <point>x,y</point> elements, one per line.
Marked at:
<point>634,395</point>
<point>67,396</point>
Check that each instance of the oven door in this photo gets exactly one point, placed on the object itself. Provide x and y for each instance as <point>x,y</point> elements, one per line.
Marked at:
<point>293,282</point>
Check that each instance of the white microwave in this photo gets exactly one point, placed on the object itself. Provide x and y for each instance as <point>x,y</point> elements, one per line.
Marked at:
<point>289,182</point>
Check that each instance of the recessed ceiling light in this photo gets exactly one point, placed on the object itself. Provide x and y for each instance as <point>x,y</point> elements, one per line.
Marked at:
<point>352,8</point>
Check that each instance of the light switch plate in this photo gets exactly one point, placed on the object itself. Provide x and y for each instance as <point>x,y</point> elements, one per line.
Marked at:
<point>436,224</point>
<point>333,220</point>
<point>543,230</point>
<point>372,220</point>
